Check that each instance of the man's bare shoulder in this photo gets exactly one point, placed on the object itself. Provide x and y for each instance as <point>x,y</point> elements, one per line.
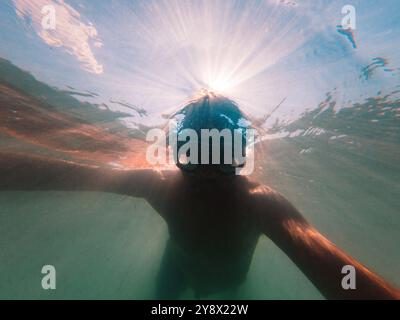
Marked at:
<point>259,190</point>
<point>169,177</point>
<point>269,206</point>
<point>261,193</point>
<point>157,176</point>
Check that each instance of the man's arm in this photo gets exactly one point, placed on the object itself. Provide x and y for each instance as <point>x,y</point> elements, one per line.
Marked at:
<point>28,173</point>
<point>317,257</point>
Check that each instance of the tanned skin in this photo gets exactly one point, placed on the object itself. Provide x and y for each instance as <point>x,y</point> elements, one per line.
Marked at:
<point>214,222</point>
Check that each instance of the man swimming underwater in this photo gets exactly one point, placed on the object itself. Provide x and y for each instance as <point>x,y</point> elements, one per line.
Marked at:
<point>214,217</point>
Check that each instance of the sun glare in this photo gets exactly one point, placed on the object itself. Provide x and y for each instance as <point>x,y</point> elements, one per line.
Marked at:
<point>219,86</point>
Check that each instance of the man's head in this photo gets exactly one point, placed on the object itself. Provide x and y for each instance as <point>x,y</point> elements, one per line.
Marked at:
<point>220,128</point>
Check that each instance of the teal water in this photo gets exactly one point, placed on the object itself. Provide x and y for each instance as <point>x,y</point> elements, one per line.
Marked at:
<point>332,147</point>
<point>108,246</point>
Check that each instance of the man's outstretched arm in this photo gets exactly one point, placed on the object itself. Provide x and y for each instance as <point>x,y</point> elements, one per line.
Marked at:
<point>317,257</point>
<point>21,172</point>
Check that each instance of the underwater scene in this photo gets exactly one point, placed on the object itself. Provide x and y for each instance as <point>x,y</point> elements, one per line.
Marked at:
<point>83,83</point>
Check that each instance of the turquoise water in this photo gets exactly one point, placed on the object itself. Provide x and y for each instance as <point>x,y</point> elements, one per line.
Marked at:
<point>108,246</point>
<point>332,147</point>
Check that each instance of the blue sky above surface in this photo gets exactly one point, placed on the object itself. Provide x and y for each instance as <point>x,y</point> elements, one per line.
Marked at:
<point>156,54</point>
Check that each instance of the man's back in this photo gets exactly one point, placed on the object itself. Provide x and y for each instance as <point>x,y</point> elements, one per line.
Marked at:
<point>213,232</point>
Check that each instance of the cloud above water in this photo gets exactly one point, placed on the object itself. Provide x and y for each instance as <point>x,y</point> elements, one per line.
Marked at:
<point>71,32</point>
